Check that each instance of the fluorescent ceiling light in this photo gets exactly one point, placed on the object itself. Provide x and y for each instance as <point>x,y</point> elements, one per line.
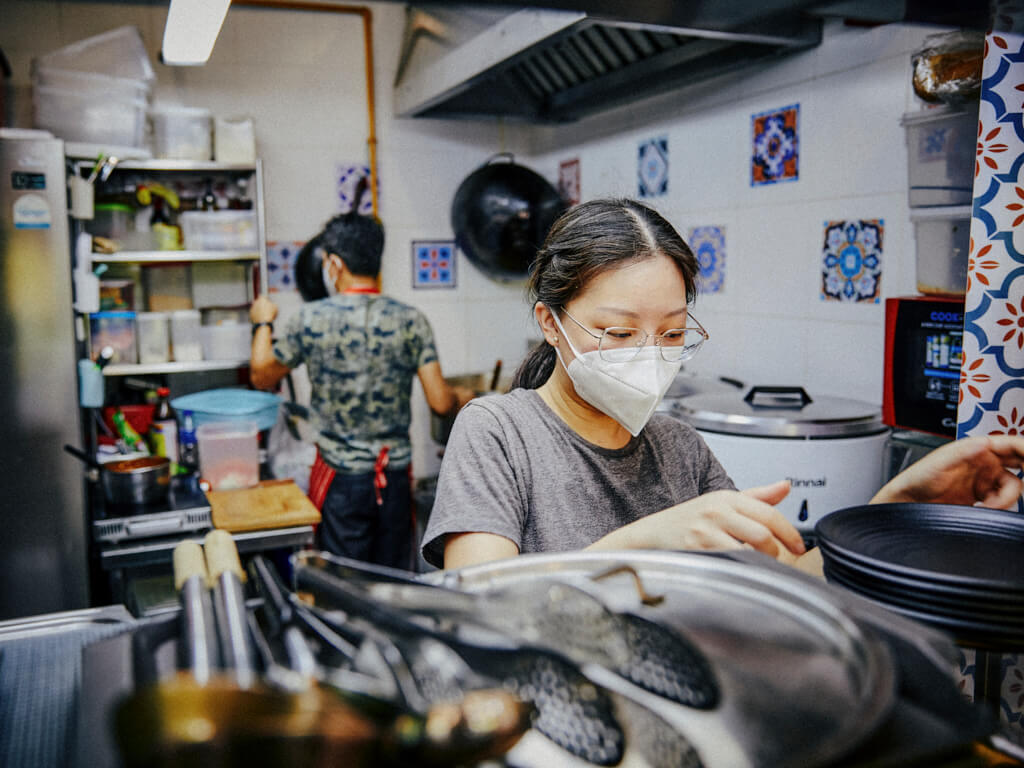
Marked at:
<point>191,30</point>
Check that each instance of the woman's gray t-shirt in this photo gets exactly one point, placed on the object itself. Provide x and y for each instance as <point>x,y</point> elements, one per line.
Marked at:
<point>513,467</point>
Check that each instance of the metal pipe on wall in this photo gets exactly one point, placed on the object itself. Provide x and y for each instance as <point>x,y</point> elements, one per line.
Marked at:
<point>367,17</point>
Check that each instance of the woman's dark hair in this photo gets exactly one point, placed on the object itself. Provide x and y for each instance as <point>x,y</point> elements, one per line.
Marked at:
<point>357,239</point>
<point>584,242</point>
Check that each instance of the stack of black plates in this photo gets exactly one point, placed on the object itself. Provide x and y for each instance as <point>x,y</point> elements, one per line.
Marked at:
<point>959,569</point>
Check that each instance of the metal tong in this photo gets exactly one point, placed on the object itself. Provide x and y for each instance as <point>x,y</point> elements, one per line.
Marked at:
<point>479,727</point>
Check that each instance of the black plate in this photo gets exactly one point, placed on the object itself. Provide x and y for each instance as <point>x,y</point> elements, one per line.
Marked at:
<point>966,632</point>
<point>1008,617</point>
<point>1006,603</point>
<point>973,547</point>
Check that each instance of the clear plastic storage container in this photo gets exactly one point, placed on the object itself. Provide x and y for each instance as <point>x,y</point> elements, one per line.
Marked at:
<point>89,116</point>
<point>182,133</point>
<point>112,220</point>
<point>943,244</point>
<point>941,144</point>
<point>220,284</point>
<point>185,338</point>
<point>218,230</point>
<point>227,341</point>
<point>154,337</point>
<point>234,140</point>
<point>95,90</point>
<point>118,52</point>
<point>113,329</point>
<point>229,454</point>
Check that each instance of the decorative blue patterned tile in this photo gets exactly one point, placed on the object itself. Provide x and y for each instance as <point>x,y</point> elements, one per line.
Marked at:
<point>433,264</point>
<point>776,151</point>
<point>708,245</point>
<point>347,176</point>
<point>652,167</point>
<point>852,261</point>
<point>281,266</point>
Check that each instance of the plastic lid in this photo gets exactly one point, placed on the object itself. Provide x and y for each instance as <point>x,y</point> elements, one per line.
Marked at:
<point>113,207</point>
<point>163,391</point>
<point>119,52</point>
<point>179,109</point>
<point>929,213</point>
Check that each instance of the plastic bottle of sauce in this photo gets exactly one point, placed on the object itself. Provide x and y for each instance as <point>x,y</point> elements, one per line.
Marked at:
<point>163,433</point>
<point>188,446</point>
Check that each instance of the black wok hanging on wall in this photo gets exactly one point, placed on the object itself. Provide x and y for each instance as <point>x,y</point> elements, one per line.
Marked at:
<point>501,214</point>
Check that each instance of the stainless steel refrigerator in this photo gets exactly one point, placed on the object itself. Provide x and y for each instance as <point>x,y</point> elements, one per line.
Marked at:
<point>43,552</point>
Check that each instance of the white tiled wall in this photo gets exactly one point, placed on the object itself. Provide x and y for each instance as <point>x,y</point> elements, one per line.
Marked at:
<point>300,75</point>
<point>769,325</point>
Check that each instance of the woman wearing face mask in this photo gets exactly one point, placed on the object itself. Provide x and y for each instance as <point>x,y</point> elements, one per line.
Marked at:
<point>575,457</point>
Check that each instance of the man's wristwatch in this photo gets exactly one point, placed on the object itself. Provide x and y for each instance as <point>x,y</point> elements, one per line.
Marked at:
<point>257,326</point>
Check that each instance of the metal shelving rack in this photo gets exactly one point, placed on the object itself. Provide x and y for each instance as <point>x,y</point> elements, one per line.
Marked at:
<point>135,543</point>
<point>162,168</point>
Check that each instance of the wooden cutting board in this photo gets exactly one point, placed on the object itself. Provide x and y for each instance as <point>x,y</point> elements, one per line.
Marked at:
<point>270,504</point>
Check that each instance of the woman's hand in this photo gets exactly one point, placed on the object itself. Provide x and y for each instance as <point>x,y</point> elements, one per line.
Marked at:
<point>972,470</point>
<point>717,520</point>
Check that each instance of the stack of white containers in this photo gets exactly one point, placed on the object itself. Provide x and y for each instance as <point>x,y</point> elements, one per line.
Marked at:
<point>95,91</point>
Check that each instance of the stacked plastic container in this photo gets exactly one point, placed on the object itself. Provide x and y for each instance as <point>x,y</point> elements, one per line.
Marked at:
<point>95,91</point>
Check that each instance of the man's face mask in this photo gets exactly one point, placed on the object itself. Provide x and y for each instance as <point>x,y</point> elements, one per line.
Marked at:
<point>627,391</point>
<point>329,285</point>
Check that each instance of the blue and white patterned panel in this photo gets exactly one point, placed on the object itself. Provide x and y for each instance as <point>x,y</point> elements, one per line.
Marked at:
<point>776,146</point>
<point>992,375</point>
<point>851,266</point>
<point>433,264</point>
<point>652,167</point>
<point>347,176</point>
<point>708,245</point>
<point>281,266</point>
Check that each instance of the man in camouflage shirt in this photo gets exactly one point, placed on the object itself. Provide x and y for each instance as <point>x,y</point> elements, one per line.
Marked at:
<point>361,350</point>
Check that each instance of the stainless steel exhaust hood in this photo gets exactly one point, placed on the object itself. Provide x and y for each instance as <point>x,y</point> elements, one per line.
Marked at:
<point>559,65</point>
<point>579,57</point>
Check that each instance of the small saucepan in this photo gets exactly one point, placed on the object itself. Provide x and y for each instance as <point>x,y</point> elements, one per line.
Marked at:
<point>137,481</point>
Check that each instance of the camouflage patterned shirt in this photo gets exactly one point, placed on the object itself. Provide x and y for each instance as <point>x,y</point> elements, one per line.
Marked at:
<point>362,352</point>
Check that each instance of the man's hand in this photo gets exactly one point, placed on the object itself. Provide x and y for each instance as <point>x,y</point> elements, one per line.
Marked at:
<point>462,395</point>
<point>263,310</point>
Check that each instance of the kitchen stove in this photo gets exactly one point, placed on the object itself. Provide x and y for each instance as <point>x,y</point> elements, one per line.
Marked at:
<point>185,510</point>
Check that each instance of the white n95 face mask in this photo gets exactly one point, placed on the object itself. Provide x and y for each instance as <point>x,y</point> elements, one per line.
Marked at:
<point>329,285</point>
<point>628,391</point>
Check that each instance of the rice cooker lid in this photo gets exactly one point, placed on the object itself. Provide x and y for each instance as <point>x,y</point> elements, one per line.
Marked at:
<point>687,384</point>
<point>780,412</point>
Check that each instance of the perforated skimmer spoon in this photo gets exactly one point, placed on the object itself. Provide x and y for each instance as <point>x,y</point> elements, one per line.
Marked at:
<point>565,618</point>
<point>585,719</point>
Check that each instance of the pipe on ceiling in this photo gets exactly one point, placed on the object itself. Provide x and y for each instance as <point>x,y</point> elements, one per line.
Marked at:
<point>367,17</point>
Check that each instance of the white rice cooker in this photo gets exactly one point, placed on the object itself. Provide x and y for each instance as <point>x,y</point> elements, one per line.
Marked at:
<point>830,449</point>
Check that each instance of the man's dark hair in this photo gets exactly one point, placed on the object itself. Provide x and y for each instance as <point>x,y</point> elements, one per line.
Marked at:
<point>357,239</point>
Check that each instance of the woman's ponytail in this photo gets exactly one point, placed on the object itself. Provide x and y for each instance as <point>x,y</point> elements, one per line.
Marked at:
<point>536,368</point>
